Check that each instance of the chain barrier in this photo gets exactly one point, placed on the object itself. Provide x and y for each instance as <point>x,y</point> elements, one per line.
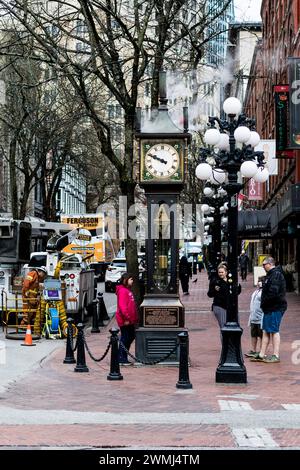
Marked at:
<point>149,363</point>
<point>91,355</point>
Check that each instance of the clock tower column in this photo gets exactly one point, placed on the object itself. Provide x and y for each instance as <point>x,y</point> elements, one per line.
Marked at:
<point>162,151</point>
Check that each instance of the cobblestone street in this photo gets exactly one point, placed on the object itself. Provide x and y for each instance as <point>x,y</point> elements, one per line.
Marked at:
<point>53,406</point>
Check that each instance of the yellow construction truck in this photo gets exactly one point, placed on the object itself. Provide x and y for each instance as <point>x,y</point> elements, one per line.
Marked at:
<point>101,247</point>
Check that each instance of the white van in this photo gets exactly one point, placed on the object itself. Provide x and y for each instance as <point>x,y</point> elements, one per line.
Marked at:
<point>117,267</point>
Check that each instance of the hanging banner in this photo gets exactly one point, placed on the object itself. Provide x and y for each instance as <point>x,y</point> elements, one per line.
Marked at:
<point>281,95</point>
<point>294,102</point>
<point>254,190</point>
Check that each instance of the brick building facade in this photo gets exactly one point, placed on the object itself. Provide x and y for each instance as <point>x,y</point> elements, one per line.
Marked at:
<point>281,195</point>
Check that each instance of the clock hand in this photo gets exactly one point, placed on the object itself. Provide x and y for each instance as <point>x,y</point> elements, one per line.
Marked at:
<point>159,159</point>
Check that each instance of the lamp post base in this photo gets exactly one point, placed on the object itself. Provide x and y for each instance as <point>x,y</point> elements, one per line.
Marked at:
<point>231,368</point>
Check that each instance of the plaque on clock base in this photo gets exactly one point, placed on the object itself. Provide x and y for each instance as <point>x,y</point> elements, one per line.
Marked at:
<point>162,311</point>
<point>151,344</point>
<point>162,320</point>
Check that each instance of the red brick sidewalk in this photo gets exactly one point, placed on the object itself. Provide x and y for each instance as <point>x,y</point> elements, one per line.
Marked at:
<point>56,387</point>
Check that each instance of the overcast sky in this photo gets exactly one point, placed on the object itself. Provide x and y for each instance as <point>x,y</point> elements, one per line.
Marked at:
<point>247,10</point>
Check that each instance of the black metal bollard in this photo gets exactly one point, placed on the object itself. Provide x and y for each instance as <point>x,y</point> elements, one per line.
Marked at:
<point>114,359</point>
<point>95,326</point>
<point>99,308</point>
<point>103,310</point>
<point>69,359</point>
<point>184,381</point>
<point>80,365</point>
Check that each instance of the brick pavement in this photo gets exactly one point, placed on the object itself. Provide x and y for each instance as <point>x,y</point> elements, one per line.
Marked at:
<point>55,387</point>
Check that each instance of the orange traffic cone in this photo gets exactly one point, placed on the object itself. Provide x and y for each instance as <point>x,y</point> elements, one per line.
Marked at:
<point>28,337</point>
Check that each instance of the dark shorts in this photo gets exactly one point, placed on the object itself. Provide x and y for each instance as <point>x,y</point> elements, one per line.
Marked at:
<point>256,331</point>
<point>271,322</point>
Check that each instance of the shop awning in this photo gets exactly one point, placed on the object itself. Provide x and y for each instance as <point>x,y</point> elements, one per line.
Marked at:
<point>289,203</point>
<point>255,223</point>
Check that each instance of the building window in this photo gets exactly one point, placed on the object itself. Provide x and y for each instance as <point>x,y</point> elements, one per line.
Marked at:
<point>118,111</point>
<point>114,24</point>
<point>147,89</point>
<point>82,46</point>
<point>110,111</point>
<point>81,27</point>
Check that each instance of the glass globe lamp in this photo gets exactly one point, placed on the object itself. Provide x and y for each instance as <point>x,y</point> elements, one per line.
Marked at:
<point>205,208</point>
<point>254,139</point>
<point>232,106</point>
<point>203,171</point>
<point>223,143</point>
<point>218,177</point>
<point>242,134</point>
<point>212,136</point>
<point>262,175</point>
<point>207,191</point>
<point>248,169</point>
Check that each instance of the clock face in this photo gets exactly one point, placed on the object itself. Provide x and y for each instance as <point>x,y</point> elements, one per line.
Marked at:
<point>162,161</point>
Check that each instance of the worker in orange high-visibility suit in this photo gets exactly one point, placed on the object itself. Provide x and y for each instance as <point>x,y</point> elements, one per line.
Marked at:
<point>30,292</point>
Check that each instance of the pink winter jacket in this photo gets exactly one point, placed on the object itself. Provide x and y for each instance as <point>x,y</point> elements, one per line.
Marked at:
<point>126,308</point>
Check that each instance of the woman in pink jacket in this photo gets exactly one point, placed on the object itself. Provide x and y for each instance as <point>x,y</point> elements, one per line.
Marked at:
<point>126,315</point>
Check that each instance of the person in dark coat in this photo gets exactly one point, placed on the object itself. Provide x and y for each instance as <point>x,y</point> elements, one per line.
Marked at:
<point>185,273</point>
<point>219,291</point>
<point>243,262</point>
<point>273,304</point>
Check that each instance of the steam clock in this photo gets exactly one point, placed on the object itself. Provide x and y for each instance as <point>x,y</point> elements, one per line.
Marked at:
<point>162,151</point>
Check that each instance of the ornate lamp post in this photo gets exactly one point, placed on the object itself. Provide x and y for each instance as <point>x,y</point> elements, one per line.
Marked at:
<point>235,144</point>
<point>215,201</point>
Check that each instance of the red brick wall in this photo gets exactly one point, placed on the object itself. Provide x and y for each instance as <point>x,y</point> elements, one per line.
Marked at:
<point>280,40</point>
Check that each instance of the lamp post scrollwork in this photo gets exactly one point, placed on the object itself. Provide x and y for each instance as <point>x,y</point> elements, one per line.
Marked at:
<point>235,139</point>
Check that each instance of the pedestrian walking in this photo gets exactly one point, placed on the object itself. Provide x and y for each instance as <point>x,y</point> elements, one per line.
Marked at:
<point>273,305</point>
<point>126,315</point>
<point>243,262</point>
<point>200,262</point>
<point>185,273</point>
<point>219,291</point>
<point>255,320</point>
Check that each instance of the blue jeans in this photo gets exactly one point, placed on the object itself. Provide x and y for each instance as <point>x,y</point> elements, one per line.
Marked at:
<point>127,337</point>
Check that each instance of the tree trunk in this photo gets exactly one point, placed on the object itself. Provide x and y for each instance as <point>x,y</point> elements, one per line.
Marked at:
<point>24,200</point>
<point>54,191</point>
<point>158,66</point>
<point>49,201</point>
<point>13,180</point>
